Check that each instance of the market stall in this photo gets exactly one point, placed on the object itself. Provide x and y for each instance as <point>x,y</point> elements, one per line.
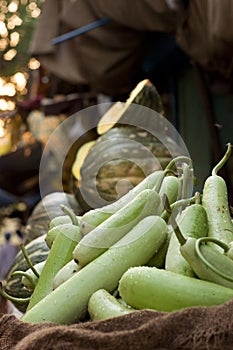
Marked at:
<point>127,231</point>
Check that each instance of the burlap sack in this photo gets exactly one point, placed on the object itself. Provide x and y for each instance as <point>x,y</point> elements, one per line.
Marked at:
<point>197,328</point>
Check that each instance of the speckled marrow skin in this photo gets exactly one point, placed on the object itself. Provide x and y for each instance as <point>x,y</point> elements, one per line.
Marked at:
<point>46,209</point>
<point>118,161</point>
<point>37,251</point>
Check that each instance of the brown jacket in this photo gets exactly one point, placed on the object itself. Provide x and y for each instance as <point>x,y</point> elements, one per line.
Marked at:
<point>107,57</point>
<point>205,33</point>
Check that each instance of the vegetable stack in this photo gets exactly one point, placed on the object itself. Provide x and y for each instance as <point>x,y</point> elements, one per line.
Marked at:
<point>156,248</point>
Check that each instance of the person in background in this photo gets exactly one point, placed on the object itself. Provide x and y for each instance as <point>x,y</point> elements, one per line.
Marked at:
<point>107,58</point>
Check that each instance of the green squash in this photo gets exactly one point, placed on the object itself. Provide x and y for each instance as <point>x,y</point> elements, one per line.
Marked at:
<point>144,94</point>
<point>37,251</point>
<point>47,209</point>
<point>116,162</point>
<point>125,151</point>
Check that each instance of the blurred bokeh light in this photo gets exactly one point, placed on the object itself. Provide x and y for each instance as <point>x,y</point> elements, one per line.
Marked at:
<point>17,22</point>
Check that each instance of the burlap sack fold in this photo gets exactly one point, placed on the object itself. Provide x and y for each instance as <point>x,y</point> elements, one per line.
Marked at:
<point>197,328</point>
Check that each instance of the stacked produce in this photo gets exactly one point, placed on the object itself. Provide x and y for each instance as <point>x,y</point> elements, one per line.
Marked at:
<point>127,148</point>
<point>154,248</point>
<point>47,209</point>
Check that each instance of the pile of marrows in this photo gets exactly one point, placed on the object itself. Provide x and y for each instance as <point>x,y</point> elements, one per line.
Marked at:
<point>157,247</point>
